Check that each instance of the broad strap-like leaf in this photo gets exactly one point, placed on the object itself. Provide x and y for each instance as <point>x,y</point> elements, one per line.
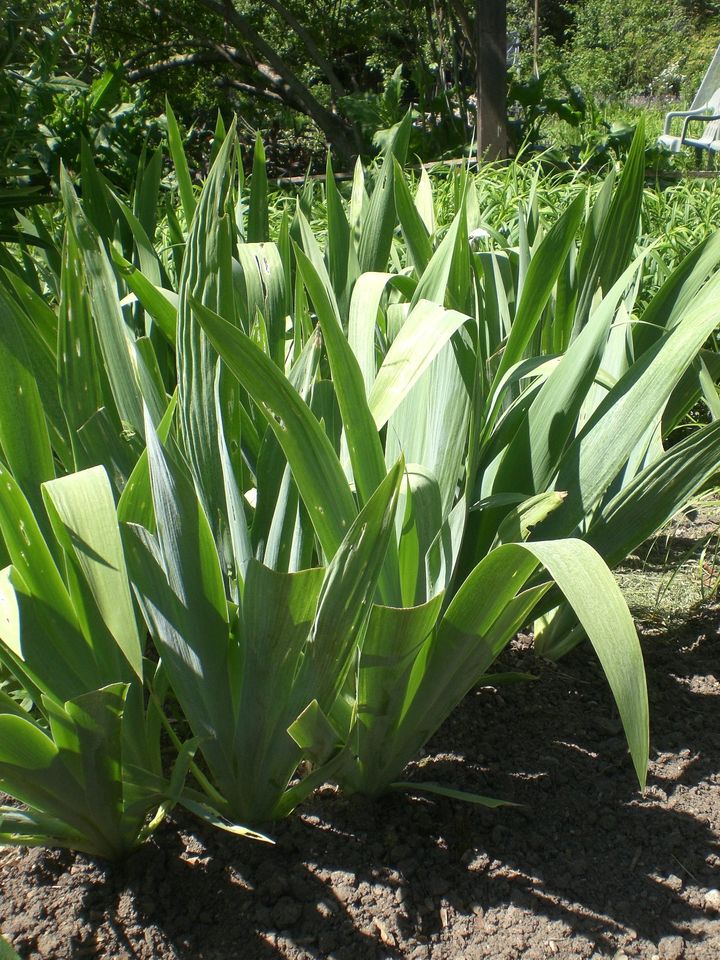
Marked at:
<point>182,171</point>
<point>43,363</point>
<point>418,523</point>
<point>379,219</point>
<point>207,276</point>
<point>655,494</point>
<point>88,734</point>
<point>421,338</point>
<point>365,449</point>
<point>413,227</point>
<point>542,274</point>
<point>675,295</point>
<point>603,447</point>
<point>277,613</point>
<point>79,380</point>
<point>189,556</point>
<point>135,503</point>
<point>179,586</point>
<point>490,593</point>
<point>347,592</point>
<point>161,304</point>
<point>604,259</point>
<point>393,642</point>
<point>48,656</point>
<point>532,457</point>
<point>236,520</point>
<point>29,551</point>
<point>340,252</point>
<point>424,201</point>
<point>131,383</point>
<point>147,190</point>
<point>591,590</point>
<point>430,425</point>
<point>24,437</point>
<point>362,324</point>
<point>258,230</point>
<point>33,771</point>
<point>84,518</point>
<point>436,278</point>
<point>437,789</point>
<point>315,465</point>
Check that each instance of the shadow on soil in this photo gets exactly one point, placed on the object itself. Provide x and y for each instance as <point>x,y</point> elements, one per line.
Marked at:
<point>353,879</point>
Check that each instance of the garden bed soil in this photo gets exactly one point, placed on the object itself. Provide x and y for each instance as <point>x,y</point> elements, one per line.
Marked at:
<point>588,867</point>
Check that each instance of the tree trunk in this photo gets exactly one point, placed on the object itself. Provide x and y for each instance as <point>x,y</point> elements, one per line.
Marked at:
<point>491,46</point>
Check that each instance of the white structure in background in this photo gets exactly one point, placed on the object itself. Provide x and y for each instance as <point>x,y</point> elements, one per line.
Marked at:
<point>704,109</point>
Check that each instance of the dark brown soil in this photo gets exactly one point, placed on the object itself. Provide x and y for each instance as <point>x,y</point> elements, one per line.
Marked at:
<point>589,868</point>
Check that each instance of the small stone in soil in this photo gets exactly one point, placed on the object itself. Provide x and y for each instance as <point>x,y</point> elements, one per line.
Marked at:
<point>671,948</point>
<point>712,900</point>
<point>419,953</point>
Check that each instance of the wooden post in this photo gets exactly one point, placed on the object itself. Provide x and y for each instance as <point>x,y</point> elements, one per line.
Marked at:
<point>491,46</point>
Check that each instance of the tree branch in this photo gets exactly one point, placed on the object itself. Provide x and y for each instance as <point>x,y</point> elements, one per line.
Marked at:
<point>251,88</point>
<point>251,51</point>
<point>175,62</point>
<point>310,45</point>
<point>283,79</point>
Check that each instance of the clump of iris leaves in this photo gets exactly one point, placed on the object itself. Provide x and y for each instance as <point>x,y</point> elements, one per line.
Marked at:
<point>278,486</point>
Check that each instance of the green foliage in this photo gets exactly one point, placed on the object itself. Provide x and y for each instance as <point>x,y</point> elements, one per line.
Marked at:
<point>354,447</point>
<point>384,714</point>
<point>530,106</point>
<point>6,951</point>
<point>628,47</point>
<point>83,754</point>
<point>376,113</point>
<point>52,100</point>
<point>306,74</point>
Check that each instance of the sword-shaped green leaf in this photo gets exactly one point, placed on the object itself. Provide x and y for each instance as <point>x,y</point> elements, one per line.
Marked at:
<point>315,465</point>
